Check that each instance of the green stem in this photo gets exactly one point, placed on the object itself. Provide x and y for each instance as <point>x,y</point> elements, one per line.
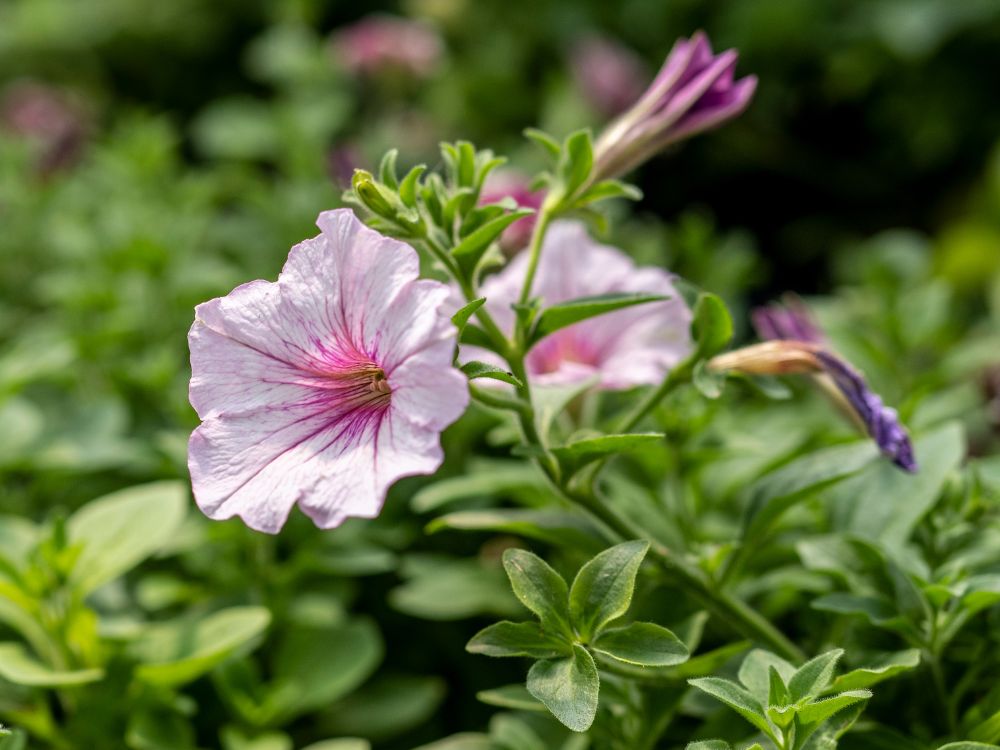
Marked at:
<point>544,218</point>
<point>941,689</point>
<point>677,376</point>
<point>496,335</point>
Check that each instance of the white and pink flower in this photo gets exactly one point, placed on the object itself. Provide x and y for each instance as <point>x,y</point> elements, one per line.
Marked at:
<point>325,387</point>
<point>630,347</point>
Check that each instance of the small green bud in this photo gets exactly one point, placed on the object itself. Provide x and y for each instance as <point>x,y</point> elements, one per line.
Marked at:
<point>371,194</point>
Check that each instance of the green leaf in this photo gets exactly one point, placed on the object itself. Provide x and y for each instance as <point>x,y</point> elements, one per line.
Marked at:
<point>517,639</point>
<point>465,312</point>
<point>878,611</point>
<point>573,311</point>
<point>157,728</point>
<point>21,668</point>
<point>886,504</point>
<point>343,743</point>
<point>475,369</point>
<point>315,666</point>
<point>708,662</point>
<point>408,186</point>
<point>549,144</point>
<point>642,643</point>
<point>568,687</point>
<point>511,733</point>
<point>777,693</point>
<point>574,456</point>
<point>813,713</point>
<point>387,169</point>
<point>539,588</point>
<point>514,697</point>
<point>813,676</point>
<point>737,698</point>
<point>236,738</point>
<point>609,189</point>
<point>174,653</point>
<point>552,400</point>
<point>755,672</point>
<point>387,707</point>
<point>483,481</point>
<point>461,741</point>
<point>576,161</point>
<point>118,531</point>
<point>708,382</point>
<point>559,528</point>
<point>827,735</point>
<point>709,745</point>
<point>602,590</point>
<point>968,746</point>
<point>711,325</point>
<point>981,592</point>
<point>782,488</point>
<point>445,588</point>
<point>987,730</point>
<point>471,248</point>
<point>881,669</point>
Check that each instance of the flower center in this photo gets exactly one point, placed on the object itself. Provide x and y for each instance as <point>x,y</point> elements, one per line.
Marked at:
<point>363,386</point>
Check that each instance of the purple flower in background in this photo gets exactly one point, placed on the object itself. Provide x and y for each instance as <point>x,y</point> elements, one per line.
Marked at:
<point>609,75</point>
<point>796,344</point>
<point>325,387</point>
<point>509,183</point>
<point>693,92</point>
<point>380,44</point>
<point>47,116</point>
<point>626,348</point>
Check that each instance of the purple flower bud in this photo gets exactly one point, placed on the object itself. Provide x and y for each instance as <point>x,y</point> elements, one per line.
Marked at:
<point>880,421</point>
<point>790,320</point>
<point>384,44</point>
<point>694,91</point>
<point>792,323</point>
<point>609,75</point>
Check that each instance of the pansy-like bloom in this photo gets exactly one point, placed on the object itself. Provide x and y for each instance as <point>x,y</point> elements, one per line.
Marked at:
<point>629,347</point>
<point>796,345</point>
<point>388,44</point>
<point>509,183</point>
<point>693,92</point>
<point>325,387</point>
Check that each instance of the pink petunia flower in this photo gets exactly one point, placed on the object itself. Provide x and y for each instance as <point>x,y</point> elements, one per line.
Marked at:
<point>325,387</point>
<point>509,183</point>
<point>382,43</point>
<point>629,347</point>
